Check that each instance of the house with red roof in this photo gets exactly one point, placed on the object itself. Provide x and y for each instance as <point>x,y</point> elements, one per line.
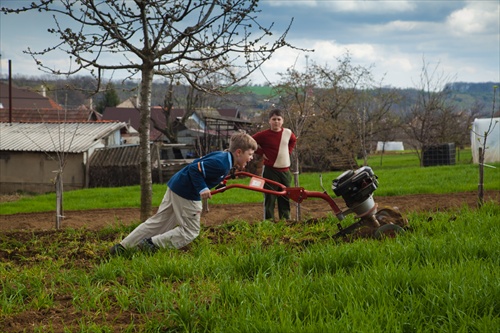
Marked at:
<point>204,131</point>
<point>25,106</point>
<point>37,135</point>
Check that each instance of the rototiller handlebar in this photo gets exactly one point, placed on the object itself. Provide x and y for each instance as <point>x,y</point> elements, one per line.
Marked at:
<point>297,194</point>
<point>355,187</point>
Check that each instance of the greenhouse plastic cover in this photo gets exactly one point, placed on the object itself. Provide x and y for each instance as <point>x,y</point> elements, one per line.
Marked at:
<point>491,126</point>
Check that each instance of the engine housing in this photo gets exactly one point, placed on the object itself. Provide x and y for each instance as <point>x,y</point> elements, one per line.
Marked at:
<point>356,188</point>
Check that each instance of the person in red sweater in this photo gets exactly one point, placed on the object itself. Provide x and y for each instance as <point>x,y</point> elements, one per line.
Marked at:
<point>276,145</point>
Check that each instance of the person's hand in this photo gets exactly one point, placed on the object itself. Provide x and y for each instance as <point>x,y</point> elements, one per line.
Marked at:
<point>264,156</point>
<point>206,194</point>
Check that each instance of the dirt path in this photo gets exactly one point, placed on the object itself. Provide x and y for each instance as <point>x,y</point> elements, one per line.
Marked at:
<point>218,214</point>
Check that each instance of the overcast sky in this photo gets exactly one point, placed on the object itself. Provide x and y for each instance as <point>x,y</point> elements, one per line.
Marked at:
<point>394,37</point>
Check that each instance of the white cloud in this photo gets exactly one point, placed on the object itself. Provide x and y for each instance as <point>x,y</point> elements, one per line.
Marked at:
<point>376,7</point>
<point>327,51</point>
<point>401,63</point>
<point>291,3</point>
<point>476,18</point>
<point>349,6</point>
<point>399,25</point>
<point>461,35</point>
<point>386,63</point>
<point>395,28</point>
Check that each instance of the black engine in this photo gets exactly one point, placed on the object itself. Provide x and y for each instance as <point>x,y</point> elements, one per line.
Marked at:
<point>355,186</point>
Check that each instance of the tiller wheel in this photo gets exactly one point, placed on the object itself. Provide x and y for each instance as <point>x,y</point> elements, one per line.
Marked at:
<point>356,188</point>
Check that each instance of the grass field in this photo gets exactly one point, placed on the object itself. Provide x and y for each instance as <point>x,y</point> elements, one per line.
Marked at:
<point>398,174</point>
<point>441,275</point>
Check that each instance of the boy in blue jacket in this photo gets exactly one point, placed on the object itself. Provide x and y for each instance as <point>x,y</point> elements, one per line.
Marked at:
<point>177,222</point>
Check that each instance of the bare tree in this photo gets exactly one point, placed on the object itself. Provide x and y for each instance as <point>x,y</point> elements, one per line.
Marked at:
<point>188,97</point>
<point>430,119</point>
<point>295,91</point>
<point>61,139</point>
<point>388,130</point>
<point>463,120</point>
<point>332,138</point>
<point>157,37</point>
<point>373,119</point>
<point>337,112</point>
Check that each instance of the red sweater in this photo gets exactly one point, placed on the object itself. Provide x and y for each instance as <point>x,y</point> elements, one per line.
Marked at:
<point>277,146</point>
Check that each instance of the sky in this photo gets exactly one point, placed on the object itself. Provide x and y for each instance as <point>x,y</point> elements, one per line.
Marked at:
<point>460,39</point>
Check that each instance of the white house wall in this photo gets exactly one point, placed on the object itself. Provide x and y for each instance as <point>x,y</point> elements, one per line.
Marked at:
<point>34,172</point>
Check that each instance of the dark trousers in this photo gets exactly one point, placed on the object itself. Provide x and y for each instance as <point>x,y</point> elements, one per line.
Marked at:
<point>285,178</point>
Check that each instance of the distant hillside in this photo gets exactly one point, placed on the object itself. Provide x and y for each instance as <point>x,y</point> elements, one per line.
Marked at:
<point>259,90</point>
<point>472,88</point>
<point>250,100</point>
<point>467,94</point>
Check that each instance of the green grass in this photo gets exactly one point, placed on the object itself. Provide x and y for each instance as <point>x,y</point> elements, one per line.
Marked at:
<point>439,276</point>
<point>399,174</point>
<point>409,158</point>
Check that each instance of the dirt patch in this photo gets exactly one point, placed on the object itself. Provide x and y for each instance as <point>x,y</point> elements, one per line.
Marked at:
<point>219,214</point>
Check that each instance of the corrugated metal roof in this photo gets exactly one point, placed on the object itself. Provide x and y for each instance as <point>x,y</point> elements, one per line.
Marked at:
<point>117,156</point>
<point>54,137</point>
<point>129,155</point>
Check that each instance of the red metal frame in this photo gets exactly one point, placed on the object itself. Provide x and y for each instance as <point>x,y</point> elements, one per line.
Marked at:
<point>297,194</point>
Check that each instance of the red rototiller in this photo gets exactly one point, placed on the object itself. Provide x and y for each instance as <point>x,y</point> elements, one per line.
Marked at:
<point>356,187</point>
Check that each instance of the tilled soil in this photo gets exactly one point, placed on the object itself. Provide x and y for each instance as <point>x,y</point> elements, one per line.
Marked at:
<point>219,214</point>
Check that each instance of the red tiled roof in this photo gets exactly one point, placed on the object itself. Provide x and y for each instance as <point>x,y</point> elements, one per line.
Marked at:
<point>47,115</point>
<point>25,99</point>
<point>31,107</point>
<point>232,113</point>
<point>131,116</point>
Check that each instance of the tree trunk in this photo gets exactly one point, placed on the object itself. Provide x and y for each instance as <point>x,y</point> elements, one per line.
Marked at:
<point>296,182</point>
<point>480,186</point>
<point>59,199</point>
<point>383,151</point>
<point>145,148</point>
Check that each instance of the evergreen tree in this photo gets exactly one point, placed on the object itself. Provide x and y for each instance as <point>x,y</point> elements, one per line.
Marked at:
<point>109,99</point>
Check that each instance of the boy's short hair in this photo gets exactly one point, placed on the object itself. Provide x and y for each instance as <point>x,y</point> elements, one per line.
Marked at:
<point>243,141</point>
<point>275,112</point>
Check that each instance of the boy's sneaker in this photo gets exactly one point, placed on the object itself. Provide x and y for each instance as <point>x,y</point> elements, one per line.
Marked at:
<point>146,245</point>
<point>117,250</point>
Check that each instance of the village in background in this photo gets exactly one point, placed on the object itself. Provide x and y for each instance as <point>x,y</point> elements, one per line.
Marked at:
<point>95,134</point>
